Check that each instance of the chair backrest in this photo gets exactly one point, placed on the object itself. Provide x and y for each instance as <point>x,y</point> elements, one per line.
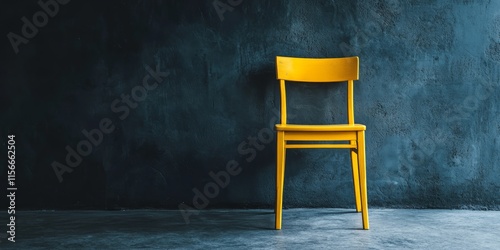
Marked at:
<point>318,70</point>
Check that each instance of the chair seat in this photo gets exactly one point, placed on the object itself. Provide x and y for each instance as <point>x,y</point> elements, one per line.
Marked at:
<point>335,127</point>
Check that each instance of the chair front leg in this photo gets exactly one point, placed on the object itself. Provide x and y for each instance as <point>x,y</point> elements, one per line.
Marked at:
<point>280,177</point>
<point>362,179</point>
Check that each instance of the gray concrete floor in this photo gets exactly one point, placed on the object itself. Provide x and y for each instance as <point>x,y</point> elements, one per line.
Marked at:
<point>253,229</point>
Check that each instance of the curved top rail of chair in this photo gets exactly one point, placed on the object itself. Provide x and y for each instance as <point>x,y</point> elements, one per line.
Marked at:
<point>317,69</point>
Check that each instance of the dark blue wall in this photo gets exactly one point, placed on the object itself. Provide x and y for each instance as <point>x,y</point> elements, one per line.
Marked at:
<point>428,93</point>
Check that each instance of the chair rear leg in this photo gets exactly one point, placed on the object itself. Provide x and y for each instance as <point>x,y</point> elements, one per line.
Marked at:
<point>355,179</point>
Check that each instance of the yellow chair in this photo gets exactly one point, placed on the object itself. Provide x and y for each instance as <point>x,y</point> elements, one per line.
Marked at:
<point>349,136</point>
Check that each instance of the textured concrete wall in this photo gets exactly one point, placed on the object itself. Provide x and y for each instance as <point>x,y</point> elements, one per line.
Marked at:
<point>428,93</point>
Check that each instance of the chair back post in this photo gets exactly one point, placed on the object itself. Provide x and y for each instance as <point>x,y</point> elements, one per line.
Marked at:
<point>350,102</point>
<point>283,101</point>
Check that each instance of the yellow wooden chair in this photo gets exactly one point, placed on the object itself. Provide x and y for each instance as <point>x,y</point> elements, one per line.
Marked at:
<point>349,136</point>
